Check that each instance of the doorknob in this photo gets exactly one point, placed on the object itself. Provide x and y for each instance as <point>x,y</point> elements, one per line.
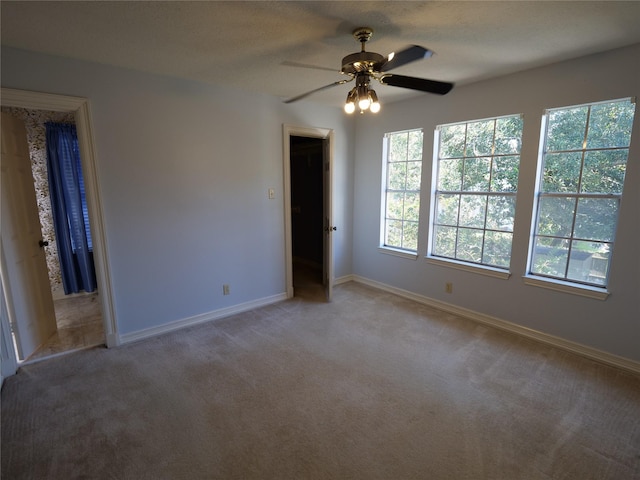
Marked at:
<point>329,229</point>
<point>43,243</point>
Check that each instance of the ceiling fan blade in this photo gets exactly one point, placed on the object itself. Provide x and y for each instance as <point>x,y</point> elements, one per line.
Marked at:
<point>422,84</point>
<point>303,95</point>
<point>408,55</point>
<point>286,63</point>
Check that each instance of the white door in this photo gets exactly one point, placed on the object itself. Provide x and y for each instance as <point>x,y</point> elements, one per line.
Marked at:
<point>329,227</point>
<point>24,268</point>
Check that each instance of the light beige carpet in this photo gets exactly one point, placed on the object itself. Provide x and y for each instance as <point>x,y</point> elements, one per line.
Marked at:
<point>371,386</point>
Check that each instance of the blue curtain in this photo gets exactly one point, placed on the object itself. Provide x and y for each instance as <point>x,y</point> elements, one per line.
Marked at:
<point>69,206</point>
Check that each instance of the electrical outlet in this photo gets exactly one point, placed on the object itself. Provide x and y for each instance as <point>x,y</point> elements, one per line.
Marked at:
<point>225,289</point>
<point>448,287</point>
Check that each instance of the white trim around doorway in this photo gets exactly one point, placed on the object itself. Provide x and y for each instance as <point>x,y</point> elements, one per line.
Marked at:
<point>287,132</point>
<point>81,109</point>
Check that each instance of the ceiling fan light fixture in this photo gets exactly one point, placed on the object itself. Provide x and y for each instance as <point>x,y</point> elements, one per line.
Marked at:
<point>363,96</point>
<point>350,105</point>
<point>375,104</point>
<point>362,89</point>
<point>364,103</point>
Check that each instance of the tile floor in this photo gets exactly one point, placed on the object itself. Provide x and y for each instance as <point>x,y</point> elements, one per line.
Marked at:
<point>79,326</point>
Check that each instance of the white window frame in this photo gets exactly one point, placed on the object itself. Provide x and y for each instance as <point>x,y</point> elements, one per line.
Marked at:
<point>474,267</point>
<point>588,289</point>
<point>391,249</point>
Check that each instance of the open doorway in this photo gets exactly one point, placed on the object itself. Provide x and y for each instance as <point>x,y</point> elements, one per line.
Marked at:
<point>11,296</point>
<point>78,318</point>
<point>307,215</point>
<point>308,159</point>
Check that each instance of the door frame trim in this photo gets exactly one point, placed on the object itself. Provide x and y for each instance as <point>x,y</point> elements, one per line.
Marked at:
<point>82,113</point>
<point>296,131</point>
<point>8,356</point>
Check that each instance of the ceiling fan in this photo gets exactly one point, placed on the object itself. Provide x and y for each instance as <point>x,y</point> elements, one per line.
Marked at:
<point>364,66</point>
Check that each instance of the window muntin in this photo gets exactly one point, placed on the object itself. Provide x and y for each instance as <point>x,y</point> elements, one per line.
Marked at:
<point>401,199</point>
<point>476,180</point>
<point>583,164</point>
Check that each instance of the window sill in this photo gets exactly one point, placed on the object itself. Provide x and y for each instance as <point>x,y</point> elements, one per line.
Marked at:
<point>398,253</point>
<point>479,269</point>
<point>566,287</point>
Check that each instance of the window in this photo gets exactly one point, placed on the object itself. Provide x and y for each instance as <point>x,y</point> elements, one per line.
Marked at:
<point>583,163</point>
<point>476,180</point>
<point>401,202</point>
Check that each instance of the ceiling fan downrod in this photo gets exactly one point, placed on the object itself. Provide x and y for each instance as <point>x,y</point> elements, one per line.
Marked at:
<point>363,35</point>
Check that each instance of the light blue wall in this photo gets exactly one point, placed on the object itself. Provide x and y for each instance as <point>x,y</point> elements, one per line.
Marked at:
<point>184,170</point>
<point>612,325</point>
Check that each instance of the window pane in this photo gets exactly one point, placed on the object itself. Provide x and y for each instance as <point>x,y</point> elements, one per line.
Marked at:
<point>604,171</point>
<point>596,219</point>
<point>555,216</point>
<point>476,174</point>
<point>450,175</point>
<point>566,129</point>
<point>610,125</point>
<point>550,256</point>
<point>415,146</point>
<point>500,212</point>
<point>398,147</point>
<point>504,176</point>
<point>600,266</point>
<point>588,262</point>
<point>411,206</point>
<point>414,175</point>
<point>447,209</point>
<point>561,172</point>
<point>395,204</point>
<point>393,233</point>
<point>497,249</point>
<point>469,245</point>
<point>410,236</point>
<point>472,210</point>
<point>452,140</point>
<point>397,175</point>
<point>445,241</point>
<point>480,138</point>
<point>508,135</point>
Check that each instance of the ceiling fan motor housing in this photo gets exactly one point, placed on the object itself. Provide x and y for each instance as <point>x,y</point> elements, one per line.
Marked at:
<point>362,62</point>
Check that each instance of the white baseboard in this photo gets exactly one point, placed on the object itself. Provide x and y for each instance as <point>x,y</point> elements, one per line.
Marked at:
<point>345,279</point>
<point>198,319</point>
<point>577,348</point>
<point>113,340</point>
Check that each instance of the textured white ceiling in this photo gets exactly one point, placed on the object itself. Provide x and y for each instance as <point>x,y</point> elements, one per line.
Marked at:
<point>251,45</point>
